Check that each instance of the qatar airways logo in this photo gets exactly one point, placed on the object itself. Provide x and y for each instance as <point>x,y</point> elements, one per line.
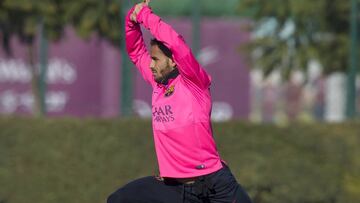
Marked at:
<point>163,114</point>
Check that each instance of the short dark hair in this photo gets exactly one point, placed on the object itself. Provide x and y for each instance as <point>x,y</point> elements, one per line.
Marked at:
<point>162,47</point>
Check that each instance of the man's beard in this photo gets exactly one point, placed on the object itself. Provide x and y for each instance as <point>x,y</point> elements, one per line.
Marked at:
<point>165,79</point>
<point>161,80</point>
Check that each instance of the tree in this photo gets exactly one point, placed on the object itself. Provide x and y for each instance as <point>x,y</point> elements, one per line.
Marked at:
<point>93,16</point>
<point>184,8</point>
<point>290,33</point>
<point>22,18</point>
<point>104,18</point>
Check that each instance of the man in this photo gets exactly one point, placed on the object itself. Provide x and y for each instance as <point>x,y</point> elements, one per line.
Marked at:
<point>190,167</point>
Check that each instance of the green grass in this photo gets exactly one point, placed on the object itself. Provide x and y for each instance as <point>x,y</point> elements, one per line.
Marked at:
<point>77,161</point>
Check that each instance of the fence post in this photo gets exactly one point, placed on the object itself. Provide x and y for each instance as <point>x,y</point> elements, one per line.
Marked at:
<point>196,26</point>
<point>352,71</point>
<point>43,60</point>
<point>126,74</point>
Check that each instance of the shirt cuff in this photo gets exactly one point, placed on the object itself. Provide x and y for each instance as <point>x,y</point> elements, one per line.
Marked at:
<point>129,22</point>
<point>145,10</point>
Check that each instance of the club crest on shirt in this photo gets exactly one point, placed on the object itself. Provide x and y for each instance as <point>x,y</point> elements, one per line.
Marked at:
<point>169,91</point>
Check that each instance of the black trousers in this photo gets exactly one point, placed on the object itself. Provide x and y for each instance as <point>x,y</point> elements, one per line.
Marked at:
<point>217,187</point>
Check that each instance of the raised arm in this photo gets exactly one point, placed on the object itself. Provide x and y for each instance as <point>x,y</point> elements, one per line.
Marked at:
<point>136,48</point>
<point>186,62</point>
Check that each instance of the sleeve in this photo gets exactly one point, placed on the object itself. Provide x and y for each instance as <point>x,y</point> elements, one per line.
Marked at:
<point>136,48</point>
<point>187,64</point>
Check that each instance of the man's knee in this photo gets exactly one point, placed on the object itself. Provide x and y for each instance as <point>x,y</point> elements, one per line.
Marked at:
<point>117,197</point>
<point>112,198</point>
<point>134,191</point>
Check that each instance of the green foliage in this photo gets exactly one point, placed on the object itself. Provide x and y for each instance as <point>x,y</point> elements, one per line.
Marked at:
<point>22,18</point>
<point>320,31</point>
<point>28,19</point>
<point>93,16</point>
<point>71,160</point>
<point>184,7</point>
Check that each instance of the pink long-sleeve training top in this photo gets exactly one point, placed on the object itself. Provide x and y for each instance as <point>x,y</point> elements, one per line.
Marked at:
<point>181,110</point>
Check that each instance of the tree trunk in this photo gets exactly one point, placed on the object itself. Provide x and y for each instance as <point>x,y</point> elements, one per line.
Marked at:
<point>36,110</point>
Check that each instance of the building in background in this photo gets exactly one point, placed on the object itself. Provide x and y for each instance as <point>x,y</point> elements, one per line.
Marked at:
<point>83,77</point>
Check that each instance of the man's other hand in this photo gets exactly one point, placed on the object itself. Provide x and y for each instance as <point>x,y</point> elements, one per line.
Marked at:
<point>137,9</point>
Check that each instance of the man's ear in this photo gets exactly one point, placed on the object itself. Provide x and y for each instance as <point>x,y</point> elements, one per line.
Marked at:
<point>172,62</point>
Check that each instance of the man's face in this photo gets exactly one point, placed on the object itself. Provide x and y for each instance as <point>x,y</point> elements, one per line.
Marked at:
<point>161,65</point>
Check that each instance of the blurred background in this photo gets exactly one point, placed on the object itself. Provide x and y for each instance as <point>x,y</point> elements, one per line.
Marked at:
<point>269,62</point>
<point>285,90</point>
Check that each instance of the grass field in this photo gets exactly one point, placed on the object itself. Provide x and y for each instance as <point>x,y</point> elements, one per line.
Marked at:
<point>77,161</point>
